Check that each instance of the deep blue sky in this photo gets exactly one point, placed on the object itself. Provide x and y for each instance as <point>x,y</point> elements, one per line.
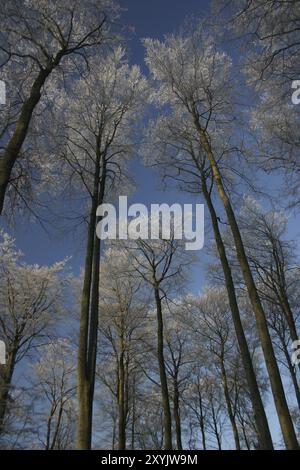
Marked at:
<point>149,18</point>
<point>156,18</point>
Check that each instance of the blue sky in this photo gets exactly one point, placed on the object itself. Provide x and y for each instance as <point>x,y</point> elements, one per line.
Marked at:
<point>149,18</point>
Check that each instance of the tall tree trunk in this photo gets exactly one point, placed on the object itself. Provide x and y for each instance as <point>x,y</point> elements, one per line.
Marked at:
<point>16,141</point>
<point>6,374</point>
<point>292,370</point>
<point>113,434</point>
<point>215,426</point>
<point>57,426</point>
<point>289,316</point>
<point>162,373</point>
<point>177,418</point>
<point>88,329</point>
<point>284,416</point>
<point>245,436</point>
<point>229,405</point>
<point>265,439</point>
<point>121,401</point>
<point>133,416</point>
<point>201,420</point>
<point>84,424</point>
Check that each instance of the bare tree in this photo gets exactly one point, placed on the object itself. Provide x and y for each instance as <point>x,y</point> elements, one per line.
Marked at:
<point>38,37</point>
<point>55,389</point>
<point>175,147</point>
<point>31,299</point>
<point>122,327</point>
<point>158,264</point>
<point>99,126</point>
<point>196,93</point>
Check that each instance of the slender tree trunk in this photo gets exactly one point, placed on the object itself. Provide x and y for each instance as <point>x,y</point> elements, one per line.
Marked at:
<point>57,427</point>
<point>88,330</point>
<point>215,427</point>
<point>289,316</point>
<point>84,425</point>
<point>284,416</point>
<point>114,434</point>
<point>133,417</point>
<point>162,373</point>
<point>281,290</point>
<point>48,435</point>
<point>229,405</point>
<point>6,374</point>
<point>265,439</point>
<point>15,143</point>
<point>177,418</point>
<point>121,401</point>
<point>292,370</point>
<point>201,422</point>
<point>245,437</point>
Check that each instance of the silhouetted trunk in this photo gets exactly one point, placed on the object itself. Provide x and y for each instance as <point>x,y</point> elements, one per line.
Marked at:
<point>177,418</point>
<point>265,439</point>
<point>292,371</point>
<point>6,373</point>
<point>88,330</point>
<point>16,141</point>
<point>289,316</point>
<point>121,400</point>
<point>201,422</point>
<point>113,444</point>
<point>57,426</point>
<point>284,416</point>
<point>215,427</point>
<point>133,417</point>
<point>162,373</point>
<point>229,405</point>
<point>245,437</point>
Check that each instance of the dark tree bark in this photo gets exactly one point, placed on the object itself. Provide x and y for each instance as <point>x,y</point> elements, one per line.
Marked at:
<point>88,330</point>
<point>13,147</point>
<point>162,373</point>
<point>229,405</point>
<point>176,412</point>
<point>6,374</point>
<point>265,439</point>
<point>284,416</point>
<point>121,400</point>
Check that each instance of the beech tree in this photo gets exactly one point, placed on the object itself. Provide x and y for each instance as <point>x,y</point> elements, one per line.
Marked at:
<point>159,265</point>
<point>148,359</point>
<point>98,129</point>
<point>122,327</point>
<point>270,59</point>
<point>175,147</point>
<point>31,299</point>
<point>55,388</point>
<point>275,267</point>
<point>179,361</point>
<point>38,38</point>
<point>210,321</point>
<point>188,70</point>
<point>274,262</point>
